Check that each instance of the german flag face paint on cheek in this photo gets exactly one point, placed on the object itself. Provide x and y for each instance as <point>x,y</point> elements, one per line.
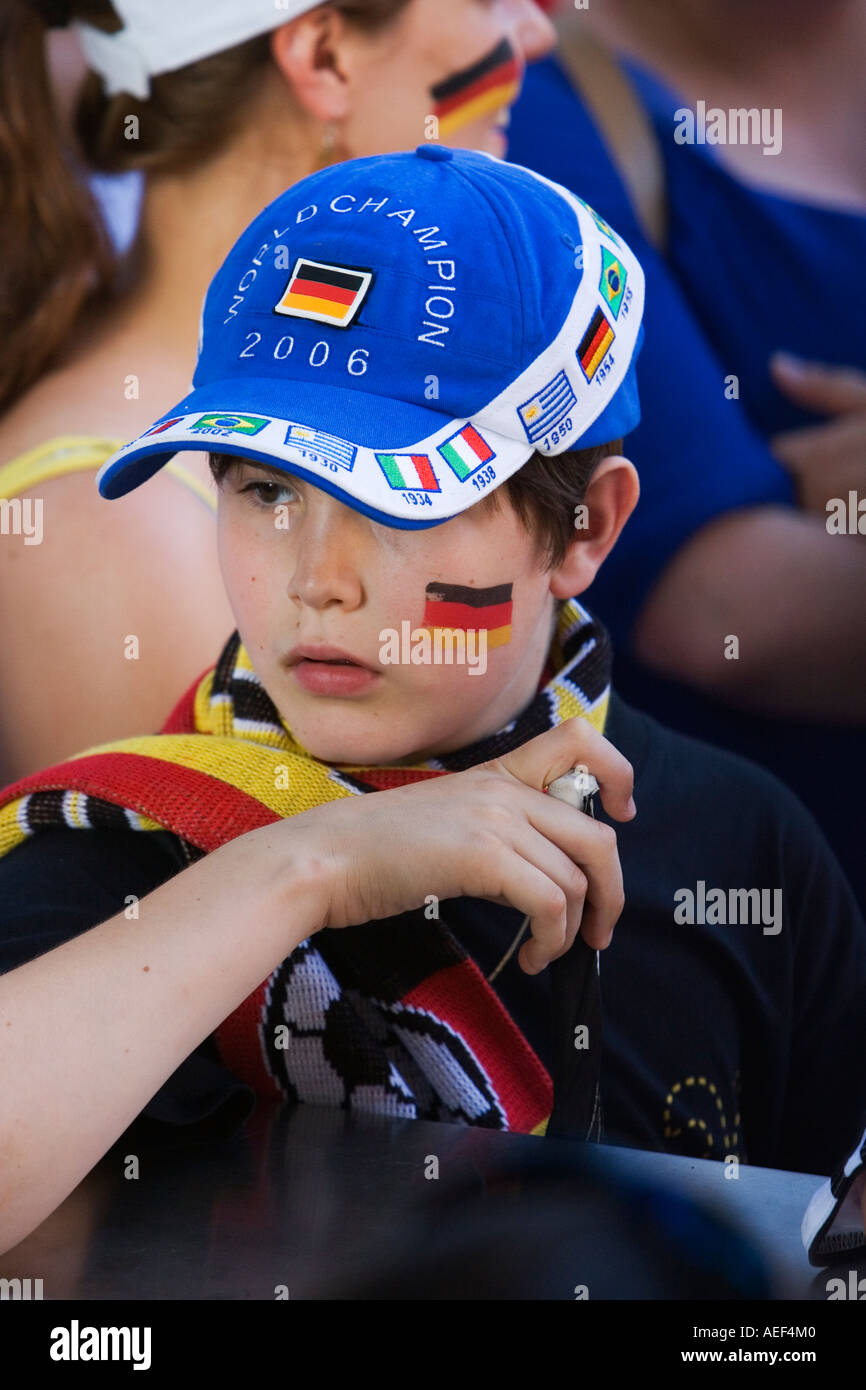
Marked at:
<point>459,606</point>
<point>476,91</point>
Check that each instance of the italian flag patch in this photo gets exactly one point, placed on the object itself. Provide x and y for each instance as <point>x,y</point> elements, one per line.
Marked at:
<point>407,471</point>
<point>465,451</point>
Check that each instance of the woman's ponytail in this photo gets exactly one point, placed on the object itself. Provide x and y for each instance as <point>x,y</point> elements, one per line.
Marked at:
<point>56,257</point>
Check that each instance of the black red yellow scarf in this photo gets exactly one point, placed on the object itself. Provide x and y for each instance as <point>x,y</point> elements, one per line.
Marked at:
<point>374,1017</point>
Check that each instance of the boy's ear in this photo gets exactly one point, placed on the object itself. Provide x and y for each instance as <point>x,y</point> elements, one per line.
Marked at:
<point>608,502</point>
<point>308,52</point>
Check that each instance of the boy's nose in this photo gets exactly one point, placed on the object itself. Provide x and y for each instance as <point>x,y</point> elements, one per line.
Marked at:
<point>326,555</point>
<point>317,585</point>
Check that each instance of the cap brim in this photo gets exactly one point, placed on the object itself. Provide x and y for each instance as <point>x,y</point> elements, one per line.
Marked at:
<point>400,464</point>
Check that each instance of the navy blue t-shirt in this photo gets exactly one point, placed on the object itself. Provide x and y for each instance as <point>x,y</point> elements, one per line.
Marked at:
<point>717,1039</point>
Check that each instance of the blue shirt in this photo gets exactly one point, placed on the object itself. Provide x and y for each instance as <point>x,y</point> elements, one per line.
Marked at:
<point>748,272</point>
<point>761,271</point>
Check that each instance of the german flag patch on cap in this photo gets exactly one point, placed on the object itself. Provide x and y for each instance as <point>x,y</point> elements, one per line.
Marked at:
<point>329,293</point>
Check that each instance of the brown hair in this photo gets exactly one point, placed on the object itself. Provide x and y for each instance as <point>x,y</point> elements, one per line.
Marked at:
<point>543,492</point>
<point>58,261</point>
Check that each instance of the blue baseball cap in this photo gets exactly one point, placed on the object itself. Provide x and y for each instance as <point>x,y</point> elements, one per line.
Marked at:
<point>405,331</point>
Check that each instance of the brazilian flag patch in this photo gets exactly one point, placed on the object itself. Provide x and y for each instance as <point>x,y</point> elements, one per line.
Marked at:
<point>613,278</point>
<point>217,423</point>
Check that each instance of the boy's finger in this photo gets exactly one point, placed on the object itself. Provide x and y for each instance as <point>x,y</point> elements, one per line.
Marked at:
<point>532,892</point>
<point>597,857</point>
<point>572,743</point>
<point>579,855</point>
<point>568,874</point>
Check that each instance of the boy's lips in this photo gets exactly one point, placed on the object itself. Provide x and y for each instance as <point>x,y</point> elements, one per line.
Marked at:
<point>313,651</point>
<point>326,670</point>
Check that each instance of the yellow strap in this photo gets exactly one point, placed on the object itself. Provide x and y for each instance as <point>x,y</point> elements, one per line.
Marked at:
<point>75,454</point>
<point>65,454</point>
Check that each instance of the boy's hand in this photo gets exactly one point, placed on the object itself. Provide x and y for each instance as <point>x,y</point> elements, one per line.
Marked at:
<point>489,832</point>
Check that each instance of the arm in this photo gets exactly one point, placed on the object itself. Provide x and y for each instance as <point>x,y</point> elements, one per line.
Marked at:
<point>788,590</point>
<point>128,1002</point>
<point>76,1078</point>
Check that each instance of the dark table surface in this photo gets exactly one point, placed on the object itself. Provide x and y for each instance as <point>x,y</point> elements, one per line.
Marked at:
<point>306,1195</point>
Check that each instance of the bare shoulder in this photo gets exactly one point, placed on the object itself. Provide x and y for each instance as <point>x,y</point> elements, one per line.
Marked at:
<point>112,392</point>
<point>66,402</point>
<point>103,574</point>
<point>161,523</point>
<point>88,398</point>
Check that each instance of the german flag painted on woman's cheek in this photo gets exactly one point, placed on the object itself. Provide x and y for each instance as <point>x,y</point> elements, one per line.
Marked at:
<point>475,91</point>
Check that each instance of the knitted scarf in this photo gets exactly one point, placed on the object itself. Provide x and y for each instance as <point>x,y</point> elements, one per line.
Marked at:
<point>390,1016</point>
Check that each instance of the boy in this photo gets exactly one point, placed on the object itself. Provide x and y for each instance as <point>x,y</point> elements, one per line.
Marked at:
<point>425,357</point>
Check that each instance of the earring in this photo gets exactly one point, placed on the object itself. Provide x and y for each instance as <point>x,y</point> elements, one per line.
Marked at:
<point>328,146</point>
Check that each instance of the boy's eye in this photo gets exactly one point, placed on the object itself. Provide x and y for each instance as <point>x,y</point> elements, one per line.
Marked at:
<point>265,492</point>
